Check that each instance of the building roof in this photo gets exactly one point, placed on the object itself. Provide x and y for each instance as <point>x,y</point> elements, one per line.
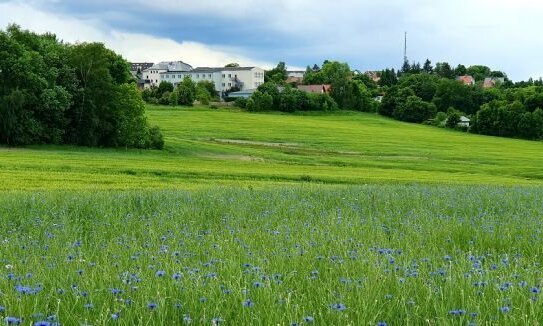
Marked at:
<point>373,75</point>
<point>464,119</point>
<point>245,93</point>
<point>171,66</point>
<point>294,80</point>
<point>141,65</point>
<point>218,69</point>
<point>467,79</point>
<point>492,81</point>
<point>315,88</point>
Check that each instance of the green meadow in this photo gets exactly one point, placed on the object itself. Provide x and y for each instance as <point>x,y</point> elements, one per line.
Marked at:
<point>274,219</point>
<point>206,147</point>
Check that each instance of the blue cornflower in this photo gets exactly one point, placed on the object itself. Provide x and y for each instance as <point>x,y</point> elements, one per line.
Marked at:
<point>338,306</point>
<point>43,323</point>
<point>116,291</point>
<point>258,284</point>
<point>203,299</point>
<point>187,319</point>
<point>248,303</point>
<point>13,320</point>
<point>177,276</point>
<point>381,323</point>
<point>505,309</point>
<point>457,312</point>
<point>88,306</point>
<point>211,275</point>
<point>535,290</point>
<point>309,319</point>
<point>151,305</point>
<point>24,289</point>
<point>216,321</point>
<point>2,309</point>
<point>115,316</point>
<point>160,273</point>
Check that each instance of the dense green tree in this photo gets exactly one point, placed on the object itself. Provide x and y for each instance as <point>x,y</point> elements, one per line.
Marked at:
<point>232,65</point>
<point>531,125</point>
<point>36,87</point>
<point>427,67</point>
<point>478,72</point>
<point>272,89</point>
<point>423,85</point>
<point>452,93</point>
<point>260,101</point>
<point>57,93</point>
<point>395,97</point>
<point>132,125</point>
<point>453,118</point>
<point>186,91</point>
<point>277,75</point>
<point>164,87</point>
<point>289,100</point>
<point>414,109</point>
<point>460,70</point>
<point>209,86</point>
<point>444,70</point>
<point>367,81</point>
<point>388,78</point>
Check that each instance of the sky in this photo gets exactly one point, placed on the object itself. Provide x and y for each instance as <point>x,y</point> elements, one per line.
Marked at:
<point>367,34</point>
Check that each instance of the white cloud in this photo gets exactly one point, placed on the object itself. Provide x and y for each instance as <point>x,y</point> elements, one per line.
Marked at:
<point>134,47</point>
<point>502,34</point>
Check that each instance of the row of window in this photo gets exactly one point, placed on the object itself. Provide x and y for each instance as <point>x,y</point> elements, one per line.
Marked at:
<point>259,74</point>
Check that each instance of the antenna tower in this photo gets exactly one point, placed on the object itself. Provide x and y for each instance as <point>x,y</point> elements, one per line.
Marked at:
<point>405,48</point>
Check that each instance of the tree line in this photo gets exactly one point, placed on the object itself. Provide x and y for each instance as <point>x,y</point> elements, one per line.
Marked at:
<point>57,93</point>
<point>416,93</point>
<point>433,95</point>
<point>184,93</point>
<point>348,91</point>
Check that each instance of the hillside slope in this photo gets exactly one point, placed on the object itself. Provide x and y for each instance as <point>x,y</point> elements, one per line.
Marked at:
<point>206,146</point>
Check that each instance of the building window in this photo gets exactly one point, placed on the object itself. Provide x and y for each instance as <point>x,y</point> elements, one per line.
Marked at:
<point>223,76</point>
<point>197,76</point>
<point>230,84</point>
<point>229,75</point>
<point>223,85</point>
<point>179,76</point>
<point>209,76</point>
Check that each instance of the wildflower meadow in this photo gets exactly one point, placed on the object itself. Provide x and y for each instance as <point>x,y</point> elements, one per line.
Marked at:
<point>304,255</point>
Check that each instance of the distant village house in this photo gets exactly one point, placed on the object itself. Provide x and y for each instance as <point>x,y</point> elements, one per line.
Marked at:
<point>315,88</point>
<point>466,80</point>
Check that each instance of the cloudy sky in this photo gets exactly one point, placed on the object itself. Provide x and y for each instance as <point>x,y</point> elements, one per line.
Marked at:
<point>368,34</point>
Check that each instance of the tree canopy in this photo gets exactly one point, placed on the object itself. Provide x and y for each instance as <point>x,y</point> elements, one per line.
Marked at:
<point>55,93</point>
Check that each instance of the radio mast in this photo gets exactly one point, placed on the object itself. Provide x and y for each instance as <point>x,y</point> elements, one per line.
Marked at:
<point>405,48</point>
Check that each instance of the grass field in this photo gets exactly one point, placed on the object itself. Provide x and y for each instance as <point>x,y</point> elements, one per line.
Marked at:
<point>272,219</point>
<point>401,255</point>
<point>206,147</point>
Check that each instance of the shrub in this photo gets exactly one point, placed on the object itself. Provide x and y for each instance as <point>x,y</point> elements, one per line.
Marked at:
<point>240,102</point>
<point>156,140</point>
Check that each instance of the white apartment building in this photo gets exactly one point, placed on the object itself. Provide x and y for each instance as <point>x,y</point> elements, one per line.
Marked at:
<point>151,75</point>
<point>223,78</point>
